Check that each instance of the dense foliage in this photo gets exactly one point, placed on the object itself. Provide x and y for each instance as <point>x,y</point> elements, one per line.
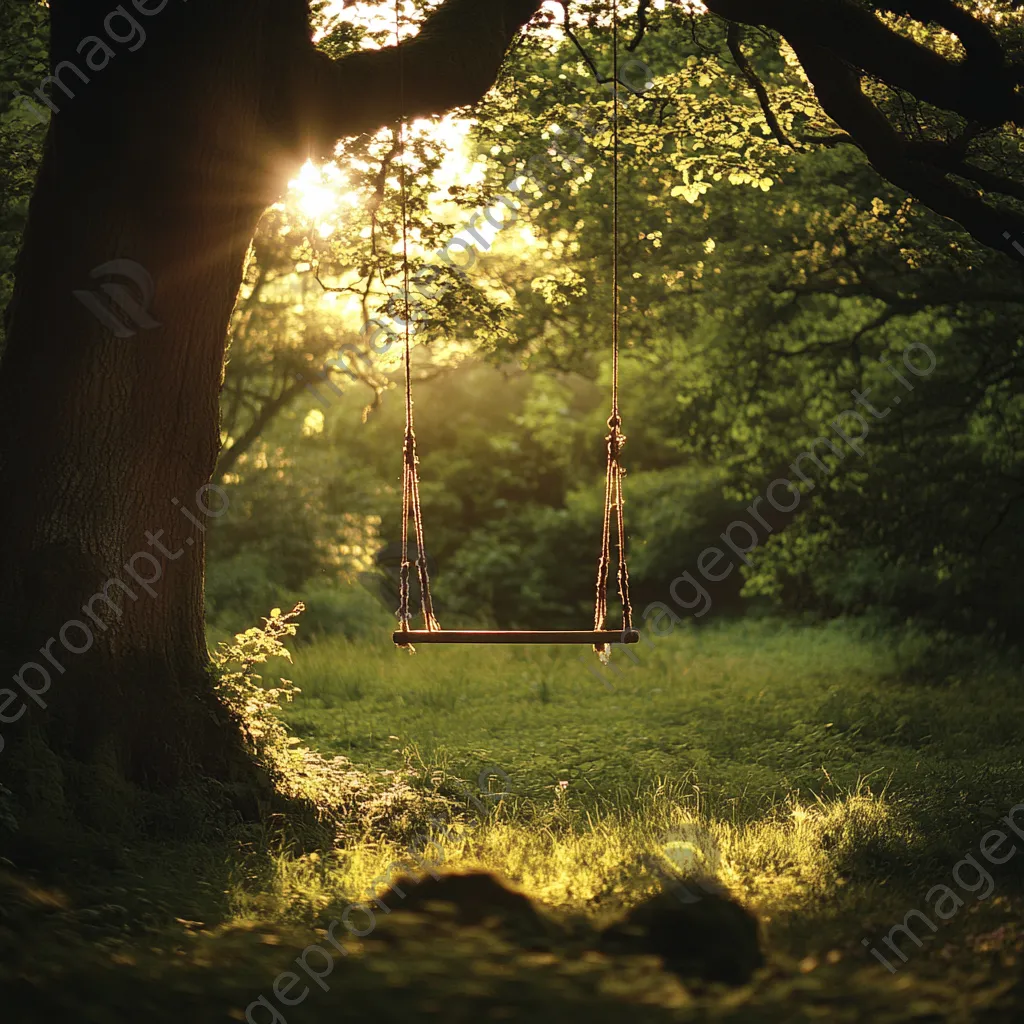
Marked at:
<point>767,276</point>
<point>828,773</point>
<point>763,285</point>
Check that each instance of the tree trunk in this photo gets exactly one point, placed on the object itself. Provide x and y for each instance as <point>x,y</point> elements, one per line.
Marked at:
<point>166,157</point>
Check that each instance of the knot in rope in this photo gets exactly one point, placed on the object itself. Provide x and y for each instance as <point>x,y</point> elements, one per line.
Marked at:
<point>409,449</point>
<point>616,442</point>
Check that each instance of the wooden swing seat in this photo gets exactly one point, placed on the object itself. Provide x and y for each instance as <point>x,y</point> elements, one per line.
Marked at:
<point>588,637</point>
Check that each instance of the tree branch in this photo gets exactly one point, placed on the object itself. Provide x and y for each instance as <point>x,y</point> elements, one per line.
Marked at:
<point>266,412</point>
<point>977,39</point>
<point>734,38</point>
<point>940,156</point>
<point>979,89</point>
<point>838,89</point>
<point>452,62</point>
<point>642,25</point>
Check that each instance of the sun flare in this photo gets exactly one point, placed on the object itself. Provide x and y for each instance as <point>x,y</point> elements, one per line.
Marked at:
<point>317,191</point>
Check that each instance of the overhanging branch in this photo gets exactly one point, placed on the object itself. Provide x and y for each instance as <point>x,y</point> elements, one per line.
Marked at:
<point>978,88</point>
<point>838,89</point>
<point>451,63</point>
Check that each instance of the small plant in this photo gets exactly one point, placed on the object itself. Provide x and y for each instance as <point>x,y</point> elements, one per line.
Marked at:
<point>329,785</point>
<point>358,801</point>
<point>257,706</point>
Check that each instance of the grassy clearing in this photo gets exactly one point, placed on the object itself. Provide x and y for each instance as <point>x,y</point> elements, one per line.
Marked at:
<point>737,723</point>
<point>825,777</point>
<point>817,771</point>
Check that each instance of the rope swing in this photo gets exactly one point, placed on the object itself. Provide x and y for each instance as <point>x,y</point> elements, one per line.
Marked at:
<point>614,500</point>
<point>411,507</point>
<point>614,524</point>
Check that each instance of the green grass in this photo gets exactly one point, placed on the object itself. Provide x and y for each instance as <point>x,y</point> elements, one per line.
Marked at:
<point>826,776</point>
<point>818,771</point>
<point>747,716</point>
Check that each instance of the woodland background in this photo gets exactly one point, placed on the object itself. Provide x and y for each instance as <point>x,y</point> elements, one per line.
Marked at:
<point>762,284</point>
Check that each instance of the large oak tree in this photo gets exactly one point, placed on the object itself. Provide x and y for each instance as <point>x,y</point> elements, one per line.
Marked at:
<point>168,155</point>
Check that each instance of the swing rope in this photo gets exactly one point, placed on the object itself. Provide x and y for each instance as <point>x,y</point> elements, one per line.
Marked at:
<point>614,500</point>
<point>411,507</point>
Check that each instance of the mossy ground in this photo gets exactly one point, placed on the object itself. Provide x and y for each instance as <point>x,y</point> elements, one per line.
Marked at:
<point>827,778</point>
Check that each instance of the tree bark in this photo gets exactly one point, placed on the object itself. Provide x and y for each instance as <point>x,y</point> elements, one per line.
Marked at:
<point>166,157</point>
